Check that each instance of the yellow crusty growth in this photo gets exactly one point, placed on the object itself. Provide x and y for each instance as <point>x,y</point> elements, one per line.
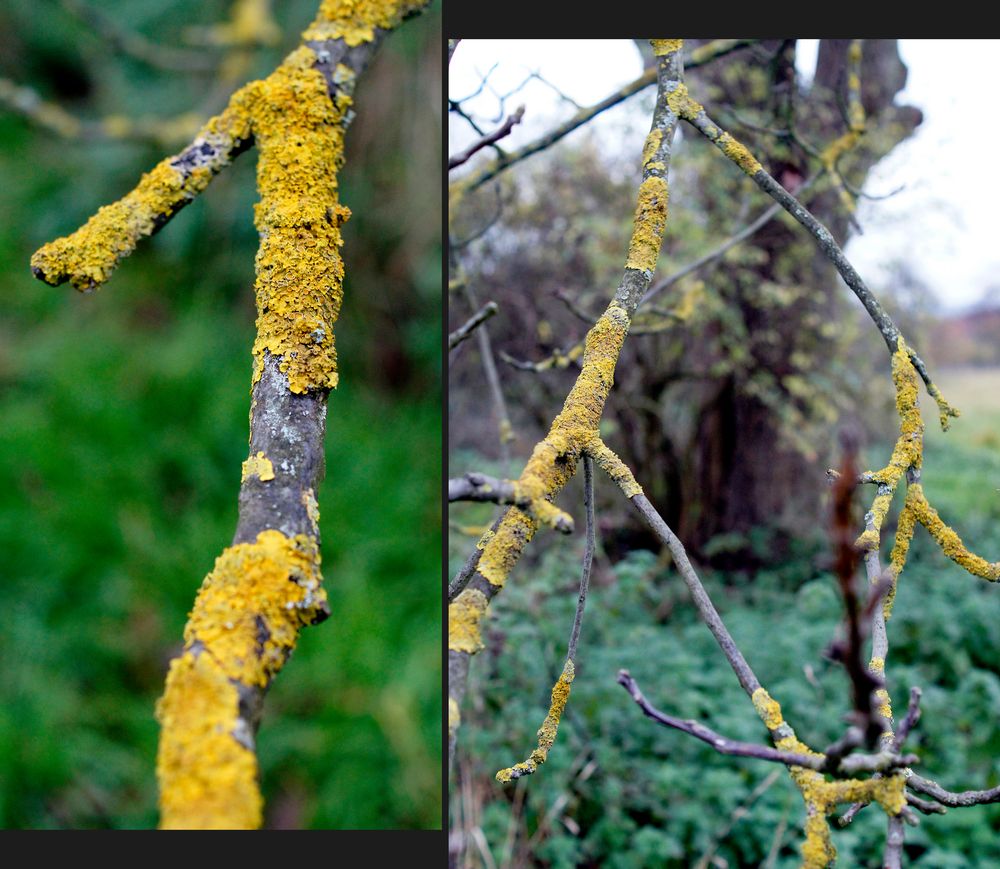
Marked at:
<point>299,133</point>
<point>355,21</point>
<point>465,613</point>
<point>250,607</point>
<point>682,104</point>
<point>454,715</point>
<point>738,153</point>
<point>651,146</point>
<point>663,47</point>
<point>650,221</point>
<point>945,537</point>
<point>312,508</point>
<point>502,549</point>
<point>907,452</point>
<point>768,709</point>
<point>547,732</point>
<point>614,467</point>
<point>259,466</point>
<point>198,715</point>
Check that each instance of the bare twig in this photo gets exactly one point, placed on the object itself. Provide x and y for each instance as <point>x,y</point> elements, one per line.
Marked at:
<point>470,325</point>
<point>705,734</point>
<point>951,798</point>
<point>474,486</point>
<point>489,139</point>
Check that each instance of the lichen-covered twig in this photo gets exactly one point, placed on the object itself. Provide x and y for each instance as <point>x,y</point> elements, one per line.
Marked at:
<point>469,326</point>
<point>694,113</point>
<point>265,586</point>
<point>553,461</point>
<point>474,486</point>
<point>560,691</point>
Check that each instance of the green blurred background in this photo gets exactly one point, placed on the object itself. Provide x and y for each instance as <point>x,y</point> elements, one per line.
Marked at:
<point>123,423</point>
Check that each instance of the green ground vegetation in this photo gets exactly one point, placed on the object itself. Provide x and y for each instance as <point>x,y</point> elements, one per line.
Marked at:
<point>619,791</point>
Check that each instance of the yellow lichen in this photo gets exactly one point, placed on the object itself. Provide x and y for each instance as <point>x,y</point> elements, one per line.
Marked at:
<point>547,732</point>
<point>738,153</point>
<point>768,709</point>
<point>243,626</point>
<point>614,467</point>
<point>207,777</point>
<point>663,47</point>
<point>299,133</point>
<point>651,145</point>
<point>355,21</point>
<point>650,221</point>
<point>454,715</point>
<point>464,615</point>
<point>312,508</point>
<point>250,607</point>
<point>501,551</point>
<point>487,536</point>
<point>946,537</point>
<point>908,450</point>
<point>682,104</point>
<point>258,466</point>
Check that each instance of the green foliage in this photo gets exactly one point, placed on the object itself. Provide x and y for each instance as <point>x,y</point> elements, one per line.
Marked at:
<point>629,793</point>
<point>124,427</point>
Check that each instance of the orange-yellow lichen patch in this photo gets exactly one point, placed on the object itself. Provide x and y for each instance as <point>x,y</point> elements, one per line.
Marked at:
<point>908,450</point>
<point>663,47</point>
<point>312,508</point>
<point>502,550</point>
<point>650,221</point>
<point>259,466</point>
<point>87,257</point>
<point>465,613</point>
<point>738,153</point>
<point>768,709</point>
<point>208,779</point>
<point>651,145</point>
<point>682,104</point>
<point>355,21</point>
<point>946,537</point>
<point>250,607</point>
<point>547,732</point>
<point>299,133</point>
<point>614,467</point>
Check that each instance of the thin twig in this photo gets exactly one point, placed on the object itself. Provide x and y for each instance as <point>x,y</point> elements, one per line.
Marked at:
<point>474,486</point>
<point>588,555</point>
<point>470,325</point>
<point>951,798</point>
<point>499,133</point>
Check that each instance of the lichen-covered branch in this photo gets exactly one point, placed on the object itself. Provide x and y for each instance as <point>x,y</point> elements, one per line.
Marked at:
<point>553,461</point>
<point>694,113</point>
<point>266,586</point>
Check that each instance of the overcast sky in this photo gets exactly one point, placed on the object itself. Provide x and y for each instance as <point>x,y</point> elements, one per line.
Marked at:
<point>945,222</point>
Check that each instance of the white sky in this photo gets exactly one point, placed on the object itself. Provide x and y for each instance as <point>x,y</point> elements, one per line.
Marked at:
<point>946,220</point>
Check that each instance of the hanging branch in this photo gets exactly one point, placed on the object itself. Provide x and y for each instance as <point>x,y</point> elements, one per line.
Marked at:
<point>560,691</point>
